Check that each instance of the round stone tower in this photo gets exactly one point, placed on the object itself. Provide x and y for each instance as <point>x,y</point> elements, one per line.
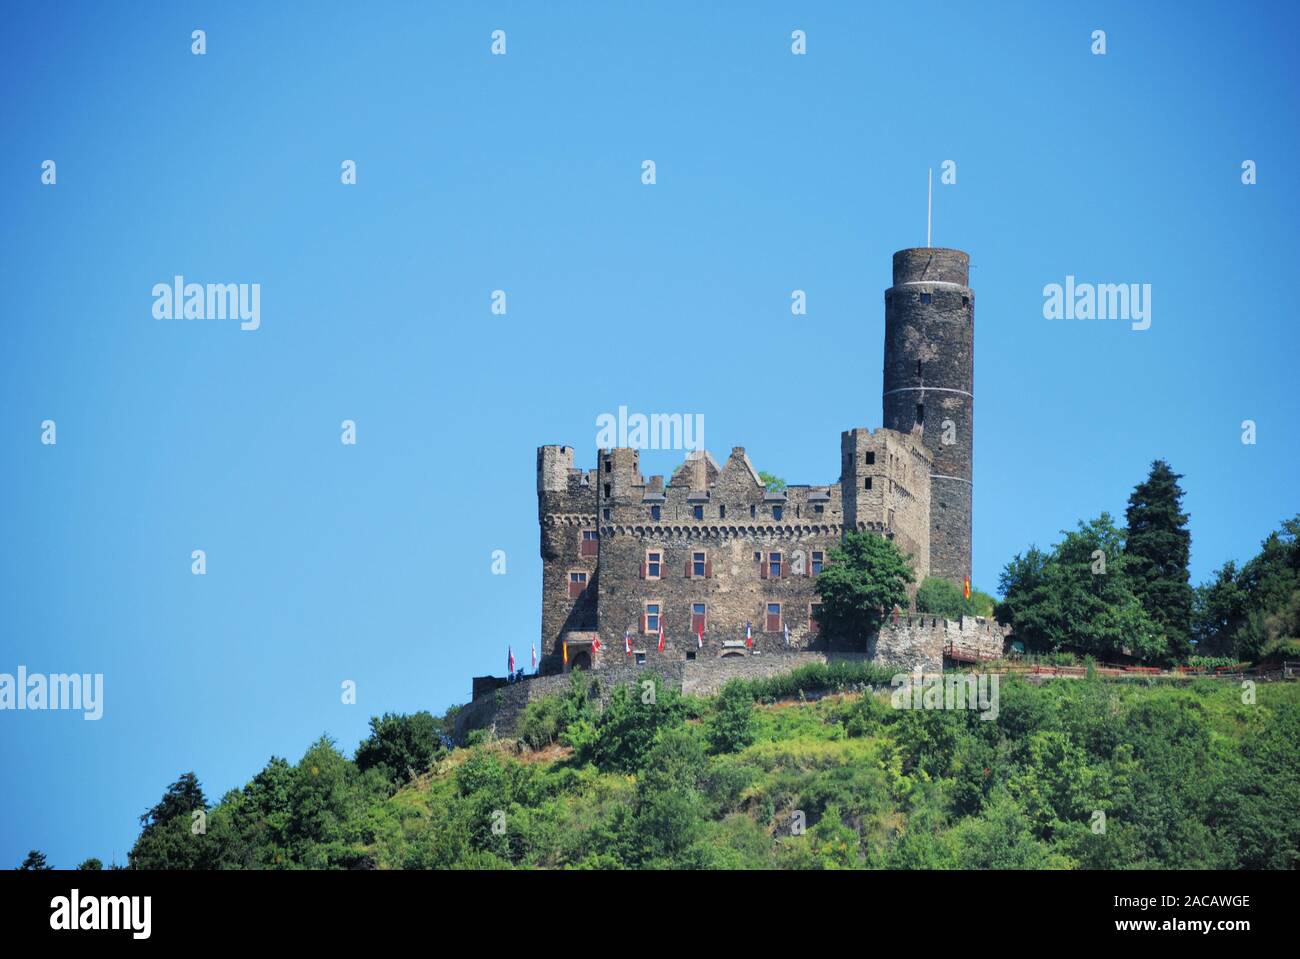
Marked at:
<point>929,388</point>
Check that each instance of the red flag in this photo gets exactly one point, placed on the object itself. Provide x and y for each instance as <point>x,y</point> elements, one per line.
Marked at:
<point>749,637</point>
<point>510,660</point>
<point>595,645</point>
<point>661,636</point>
<point>627,641</point>
<point>699,635</point>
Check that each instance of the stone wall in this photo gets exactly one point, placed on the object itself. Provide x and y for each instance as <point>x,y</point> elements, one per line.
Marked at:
<point>910,643</point>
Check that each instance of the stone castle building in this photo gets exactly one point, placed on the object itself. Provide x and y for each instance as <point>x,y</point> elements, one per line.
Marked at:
<point>711,550</point>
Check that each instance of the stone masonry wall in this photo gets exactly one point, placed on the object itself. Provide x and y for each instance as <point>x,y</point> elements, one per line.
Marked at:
<point>910,643</point>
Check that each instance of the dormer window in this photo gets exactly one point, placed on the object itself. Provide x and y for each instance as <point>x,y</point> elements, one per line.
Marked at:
<point>697,512</point>
<point>656,513</point>
<point>778,512</point>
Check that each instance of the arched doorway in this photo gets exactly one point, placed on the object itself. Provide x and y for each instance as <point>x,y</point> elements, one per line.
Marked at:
<point>580,660</point>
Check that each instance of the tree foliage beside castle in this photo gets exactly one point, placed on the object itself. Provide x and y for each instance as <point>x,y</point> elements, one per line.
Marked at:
<point>866,577</point>
<point>1109,592</point>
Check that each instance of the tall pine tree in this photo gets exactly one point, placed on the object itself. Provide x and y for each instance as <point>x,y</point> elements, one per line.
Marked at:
<point>1159,546</point>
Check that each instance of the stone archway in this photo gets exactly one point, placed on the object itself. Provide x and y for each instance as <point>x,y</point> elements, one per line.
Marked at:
<point>580,660</point>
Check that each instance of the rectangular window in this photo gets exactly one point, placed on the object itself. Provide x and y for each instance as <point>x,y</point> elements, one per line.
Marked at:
<point>651,617</point>
<point>577,583</point>
<point>655,513</point>
<point>918,367</point>
<point>722,512</point>
<point>699,565</point>
<point>866,484</point>
<point>814,618</point>
<point>590,543</point>
<point>654,561</point>
<point>640,659</point>
<point>920,414</point>
<point>698,512</point>
<point>773,565</point>
<point>774,617</point>
<point>818,561</point>
<point>925,297</point>
<point>698,618</point>
<point>605,513</point>
<point>870,459</point>
<point>819,508</point>
<point>777,511</point>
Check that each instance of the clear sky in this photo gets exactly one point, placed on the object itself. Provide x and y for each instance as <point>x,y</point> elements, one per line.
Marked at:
<point>522,172</point>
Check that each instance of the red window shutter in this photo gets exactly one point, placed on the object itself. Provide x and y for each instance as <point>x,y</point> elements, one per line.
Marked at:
<point>708,569</point>
<point>688,567</point>
<point>762,569</point>
<point>773,623</point>
<point>643,570</point>
<point>643,622</point>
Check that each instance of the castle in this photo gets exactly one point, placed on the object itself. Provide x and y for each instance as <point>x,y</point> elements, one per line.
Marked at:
<point>726,568</point>
<point>713,549</point>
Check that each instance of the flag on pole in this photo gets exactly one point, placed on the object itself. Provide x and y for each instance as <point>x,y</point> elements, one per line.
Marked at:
<point>510,660</point>
<point>787,634</point>
<point>564,651</point>
<point>533,647</point>
<point>595,645</point>
<point>661,636</point>
<point>967,590</point>
<point>699,635</point>
<point>749,636</point>
<point>627,641</point>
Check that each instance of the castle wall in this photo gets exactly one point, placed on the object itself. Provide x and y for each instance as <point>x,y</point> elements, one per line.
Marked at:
<point>911,643</point>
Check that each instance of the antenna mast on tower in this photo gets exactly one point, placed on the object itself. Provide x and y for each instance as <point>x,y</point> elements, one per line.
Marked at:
<point>929,204</point>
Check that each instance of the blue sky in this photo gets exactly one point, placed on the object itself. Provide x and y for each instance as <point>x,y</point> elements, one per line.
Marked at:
<point>478,172</point>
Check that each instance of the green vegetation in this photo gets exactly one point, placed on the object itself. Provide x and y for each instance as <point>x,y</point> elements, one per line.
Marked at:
<point>940,597</point>
<point>866,578</point>
<point>773,484</point>
<point>1181,774</point>
<point>1254,613</point>
<point>1080,596</point>
<point>1158,546</point>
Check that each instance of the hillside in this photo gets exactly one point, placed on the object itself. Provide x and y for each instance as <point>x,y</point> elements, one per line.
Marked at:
<point>1185,773</point>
